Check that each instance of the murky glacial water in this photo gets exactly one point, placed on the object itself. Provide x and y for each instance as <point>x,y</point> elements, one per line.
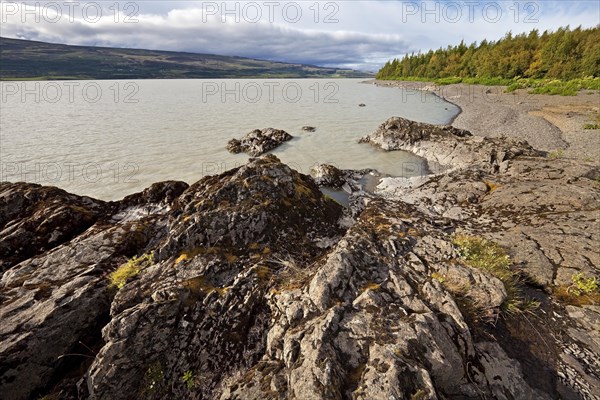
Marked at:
<point>107,139</point>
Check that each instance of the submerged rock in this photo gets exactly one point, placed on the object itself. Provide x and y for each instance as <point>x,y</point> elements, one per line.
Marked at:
<point>309,128</point>
<point>258,141</point>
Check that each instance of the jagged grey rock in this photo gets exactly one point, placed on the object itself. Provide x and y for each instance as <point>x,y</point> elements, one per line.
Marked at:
<point>258,141</point>
<point>52,306</point>
<point>446,147</point>
<point>257,290</point>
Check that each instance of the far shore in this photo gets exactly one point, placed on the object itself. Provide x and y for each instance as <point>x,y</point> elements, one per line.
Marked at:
<point>549,123</point>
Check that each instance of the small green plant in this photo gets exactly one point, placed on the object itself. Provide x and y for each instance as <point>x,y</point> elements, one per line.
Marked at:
<point>591,126</point>
<point>556,154</point>
<point>490,256</point>
<point>154,376</point>
<point>536,86</point>
<point>131,268</point>
<point>189,380</point>
<point>582,285</point>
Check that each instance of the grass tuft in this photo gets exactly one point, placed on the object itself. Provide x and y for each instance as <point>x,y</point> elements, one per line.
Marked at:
<point>489,256</point>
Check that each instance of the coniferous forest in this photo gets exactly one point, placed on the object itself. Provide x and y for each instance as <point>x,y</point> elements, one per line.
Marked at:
<point>519,60</point>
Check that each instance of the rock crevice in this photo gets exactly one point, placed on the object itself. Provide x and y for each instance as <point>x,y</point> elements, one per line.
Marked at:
<point>255,285</point>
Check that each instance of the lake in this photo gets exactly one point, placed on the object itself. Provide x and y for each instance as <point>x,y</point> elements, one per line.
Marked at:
<point>108,139</point>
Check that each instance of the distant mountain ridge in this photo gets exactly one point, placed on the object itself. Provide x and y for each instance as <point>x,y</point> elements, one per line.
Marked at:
<point>31,60</point>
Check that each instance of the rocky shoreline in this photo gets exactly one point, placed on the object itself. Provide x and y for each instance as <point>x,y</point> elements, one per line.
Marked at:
<point>549,123</point>
<point>254,285</point>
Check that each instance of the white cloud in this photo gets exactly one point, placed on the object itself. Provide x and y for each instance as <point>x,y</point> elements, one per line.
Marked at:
<point>363,34</point>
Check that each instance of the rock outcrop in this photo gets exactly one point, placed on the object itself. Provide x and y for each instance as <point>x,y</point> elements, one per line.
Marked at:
<point>254,285</point>
<point>371,323</point>
<point>328,175</point>
<point>546,213</point>
<point>258,141</point>
<point>35,219</point>
<point>53,305</point>
<point>446,147</point>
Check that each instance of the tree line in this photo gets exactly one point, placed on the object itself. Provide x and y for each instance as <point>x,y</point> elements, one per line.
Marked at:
<point>563,54</point>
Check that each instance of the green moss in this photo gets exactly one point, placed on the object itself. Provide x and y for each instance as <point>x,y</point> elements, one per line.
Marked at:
<point>419,395</point>
<point>192,253</point>
<point>370,286</point>
<point>581,291</point>
<point>484,254</point>
<point>130,269</point>
<point>556,154</point>
<point>438,277</point>
<point>303,191</point>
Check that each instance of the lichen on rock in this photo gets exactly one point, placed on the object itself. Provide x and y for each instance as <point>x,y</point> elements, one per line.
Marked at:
<point>252,284</point>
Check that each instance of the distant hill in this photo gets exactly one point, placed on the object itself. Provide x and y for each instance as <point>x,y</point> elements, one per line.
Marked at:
<point>24,59</point>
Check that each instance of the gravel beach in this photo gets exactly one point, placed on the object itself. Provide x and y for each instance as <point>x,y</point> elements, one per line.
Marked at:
<point>548,123</point>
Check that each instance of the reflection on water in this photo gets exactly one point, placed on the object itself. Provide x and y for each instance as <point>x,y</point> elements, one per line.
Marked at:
<point>108,139</point>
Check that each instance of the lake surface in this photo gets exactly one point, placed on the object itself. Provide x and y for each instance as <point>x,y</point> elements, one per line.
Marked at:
<point>108,139</point>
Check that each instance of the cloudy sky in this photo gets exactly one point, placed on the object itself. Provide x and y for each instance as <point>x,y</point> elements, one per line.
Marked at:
<point>356,34</point>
